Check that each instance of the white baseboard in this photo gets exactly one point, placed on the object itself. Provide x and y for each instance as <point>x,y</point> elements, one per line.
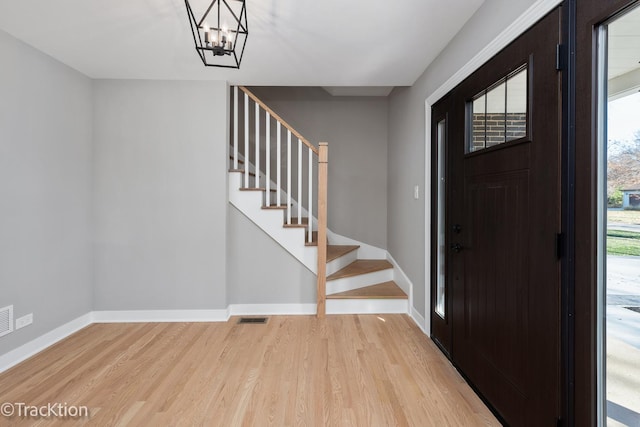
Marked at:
<point>25,351</point>
<point>35,346</point>
<point>136,316</point>
<point>417,317</point>
<point>272,309</point>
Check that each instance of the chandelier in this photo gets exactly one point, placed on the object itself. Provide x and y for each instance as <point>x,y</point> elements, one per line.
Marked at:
<point>218,34</point>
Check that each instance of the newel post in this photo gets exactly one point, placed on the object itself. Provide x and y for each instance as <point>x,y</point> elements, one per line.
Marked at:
<point>323,164</point>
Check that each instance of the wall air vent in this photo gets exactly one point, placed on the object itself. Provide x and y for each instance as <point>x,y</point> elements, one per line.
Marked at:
<point>6,320</point>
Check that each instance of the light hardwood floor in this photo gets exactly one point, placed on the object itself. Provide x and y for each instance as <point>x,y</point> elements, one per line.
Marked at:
<point>365,370</point>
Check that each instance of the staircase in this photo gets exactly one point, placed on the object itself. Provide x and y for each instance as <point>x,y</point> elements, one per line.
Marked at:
<point>271,184</point>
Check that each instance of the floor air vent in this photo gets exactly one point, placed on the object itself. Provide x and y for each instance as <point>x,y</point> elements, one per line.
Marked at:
<point>6,320</point>
<point>252,320</point>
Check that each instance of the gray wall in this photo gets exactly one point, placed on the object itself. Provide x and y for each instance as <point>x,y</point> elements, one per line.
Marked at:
<point>406,154</point>
<point>45,190</point>
<point>159,194</point>
<point>356,130</point>
<point>260,271</point>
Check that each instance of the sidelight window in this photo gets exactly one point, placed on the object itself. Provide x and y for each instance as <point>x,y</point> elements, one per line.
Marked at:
<point>442,249</point>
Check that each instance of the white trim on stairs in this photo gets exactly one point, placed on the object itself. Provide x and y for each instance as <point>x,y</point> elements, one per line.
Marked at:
<point>359,281</point>
<point>271,222</point>
<point>401,279</point>
<point>367,306</point>
<point>342,261</point>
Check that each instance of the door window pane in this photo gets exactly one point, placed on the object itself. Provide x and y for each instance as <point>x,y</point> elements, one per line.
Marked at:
<point>495,117</point>
<point>517,106</point>
<point>478,130</point>
<point>499,113</point>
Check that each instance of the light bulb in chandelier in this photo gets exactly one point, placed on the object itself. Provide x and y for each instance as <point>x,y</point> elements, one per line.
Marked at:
<point>207,37</point>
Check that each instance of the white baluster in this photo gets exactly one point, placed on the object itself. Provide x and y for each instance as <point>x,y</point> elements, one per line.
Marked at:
<point>310,212</point>
<point>267,119</point>
<point>256,167</point>
<point>246,141</point>
<point>288,176</point>
<point>299,181</point>
<point>278,163</point>
<point>235,128</point>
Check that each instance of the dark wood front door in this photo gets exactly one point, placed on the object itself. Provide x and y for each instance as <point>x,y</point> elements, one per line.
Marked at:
<point>502,224</point>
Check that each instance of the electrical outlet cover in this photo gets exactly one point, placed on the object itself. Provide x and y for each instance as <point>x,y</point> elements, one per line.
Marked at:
<point>23,321</point>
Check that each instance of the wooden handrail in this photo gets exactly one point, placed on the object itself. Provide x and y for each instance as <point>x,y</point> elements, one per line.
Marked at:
<point>278,118</point>
<point>323,166</point>
<point>322,153</point>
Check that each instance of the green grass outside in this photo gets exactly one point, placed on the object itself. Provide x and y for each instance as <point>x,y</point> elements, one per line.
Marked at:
<point>623,243</point>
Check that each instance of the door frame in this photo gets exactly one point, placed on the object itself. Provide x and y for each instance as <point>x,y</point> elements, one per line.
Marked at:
<point>580,181</point>
<point>589,316</point>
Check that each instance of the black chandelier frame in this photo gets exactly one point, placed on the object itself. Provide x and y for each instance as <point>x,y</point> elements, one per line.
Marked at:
<point>209,51</point>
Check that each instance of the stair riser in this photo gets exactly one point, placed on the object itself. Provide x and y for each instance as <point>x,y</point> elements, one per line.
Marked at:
<point>341,262</point>
<point>368,306</point>
<point>359,281</point>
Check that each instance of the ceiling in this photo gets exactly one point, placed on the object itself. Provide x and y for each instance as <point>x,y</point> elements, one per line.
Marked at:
<point>624,44</point>
<point>624,54</point>
<point>329,43</point>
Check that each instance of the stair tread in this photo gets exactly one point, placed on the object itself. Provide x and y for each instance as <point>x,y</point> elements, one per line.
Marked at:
<point>386,290</point>
<point>241,171</point>
<point>275,207</point>
<point>361,266</point>
<point>294,222</point>
<point>256,189</point>
<point>336,251</point>
<point>240,161</point>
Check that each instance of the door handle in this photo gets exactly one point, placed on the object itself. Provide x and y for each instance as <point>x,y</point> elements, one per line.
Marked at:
<point>456,247</point>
